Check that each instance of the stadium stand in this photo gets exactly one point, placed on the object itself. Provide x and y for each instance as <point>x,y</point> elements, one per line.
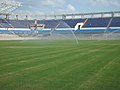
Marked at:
<point>92,25</point>
<point>115,22</point>
<point>97,22</point>
<point>92,22</point>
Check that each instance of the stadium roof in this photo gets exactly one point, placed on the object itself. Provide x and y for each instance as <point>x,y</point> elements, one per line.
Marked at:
<point>7,6</point>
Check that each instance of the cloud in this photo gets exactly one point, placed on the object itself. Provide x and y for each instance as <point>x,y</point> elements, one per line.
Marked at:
<point>68,6</point>
<point>48,6</point>
<point>71,8</point>
<point>53,3</point>
<point>43,3</point>
<point>27,12</point>
<point>106,2</point>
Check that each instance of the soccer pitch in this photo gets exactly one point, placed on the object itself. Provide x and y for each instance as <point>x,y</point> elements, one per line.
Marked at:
<point>59,65</point>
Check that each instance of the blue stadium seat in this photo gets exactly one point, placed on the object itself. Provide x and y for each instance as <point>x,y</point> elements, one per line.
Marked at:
<point>20,23</point>
<point>73,22</point>
<point>115,22</point>
<point>68,23</point>
<point>97,22</point>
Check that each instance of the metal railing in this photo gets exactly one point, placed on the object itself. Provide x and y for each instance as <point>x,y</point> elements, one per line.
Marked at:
<point>61,16</point>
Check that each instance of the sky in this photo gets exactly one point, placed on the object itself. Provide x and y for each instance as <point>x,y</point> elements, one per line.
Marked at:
<point>67,6</point>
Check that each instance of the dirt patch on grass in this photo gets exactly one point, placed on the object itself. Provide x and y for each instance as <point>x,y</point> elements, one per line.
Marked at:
<point>109,44</point>
<point>21,47</point>
<point>35,46</point>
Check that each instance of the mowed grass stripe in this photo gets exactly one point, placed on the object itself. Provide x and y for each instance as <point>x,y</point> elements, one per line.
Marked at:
<point>64,84</point>
<point>72,74</point>
<point>31,55</point>
<point>29,61</point>
<point>30,51</point>
<point>67,86</point>
<point>43,58</point>
<point>16,45</point>
<point>14,77</point>
<point>20,52</point>
<point>16,50</point>
<point>68,70</point>
<point>111,59</point>
<point>26,51</point>
<point>91,82</point>
<point>38,53</point>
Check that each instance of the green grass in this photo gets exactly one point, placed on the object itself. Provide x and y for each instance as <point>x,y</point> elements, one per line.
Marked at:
<point>59,65</point>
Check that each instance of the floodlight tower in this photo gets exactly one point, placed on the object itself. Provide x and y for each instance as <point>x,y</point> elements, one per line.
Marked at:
<point>7,6</point>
